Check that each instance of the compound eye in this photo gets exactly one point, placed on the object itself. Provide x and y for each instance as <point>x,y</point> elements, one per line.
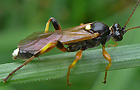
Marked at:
<point>88,27</point>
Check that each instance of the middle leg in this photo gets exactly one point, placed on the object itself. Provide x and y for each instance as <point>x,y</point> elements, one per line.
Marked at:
<point>61,47</point>
<point>78,57</point>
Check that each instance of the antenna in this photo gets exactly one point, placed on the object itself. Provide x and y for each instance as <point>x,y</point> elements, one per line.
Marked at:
<point>132,28</point>
<point>130,18</point>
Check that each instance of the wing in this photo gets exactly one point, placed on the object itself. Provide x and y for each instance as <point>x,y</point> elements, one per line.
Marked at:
<point>36,41</point>
<point>77,34</point>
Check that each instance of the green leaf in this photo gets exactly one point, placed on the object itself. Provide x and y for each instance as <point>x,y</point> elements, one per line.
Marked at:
<point>55,66</point>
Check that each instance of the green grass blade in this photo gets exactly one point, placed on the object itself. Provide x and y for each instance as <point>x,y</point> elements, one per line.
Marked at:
<point>55,66</point>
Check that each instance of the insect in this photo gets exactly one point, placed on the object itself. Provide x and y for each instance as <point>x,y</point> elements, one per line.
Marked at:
<point>78,38</point>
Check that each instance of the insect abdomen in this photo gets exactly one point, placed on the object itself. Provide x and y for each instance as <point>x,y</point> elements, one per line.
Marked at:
<point>83,45</point>
<point>22,54</point>
<point>25,54</point>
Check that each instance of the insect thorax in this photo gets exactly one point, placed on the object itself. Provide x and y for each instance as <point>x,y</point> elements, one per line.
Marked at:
<point>99,27</point>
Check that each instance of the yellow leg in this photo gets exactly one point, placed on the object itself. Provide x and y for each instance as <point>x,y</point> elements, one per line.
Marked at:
<point>110,45</point>
<point>46,48</point>
<point>47,26</point>
<point>55,24</point>
<point>78,57</point>
<point>106,56</point>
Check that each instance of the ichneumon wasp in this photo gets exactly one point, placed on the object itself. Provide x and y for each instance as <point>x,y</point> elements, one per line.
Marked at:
<point>78,38</point>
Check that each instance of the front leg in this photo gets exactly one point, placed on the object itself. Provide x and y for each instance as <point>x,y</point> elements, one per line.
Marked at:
<point>107,57</point>
<point>115,43</point>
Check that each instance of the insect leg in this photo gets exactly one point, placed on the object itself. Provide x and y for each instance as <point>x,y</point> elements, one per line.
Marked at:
<point>61,47</point>
<point>56,25</point>
<point>114,42</point>
<point>46,48</point>
<point>78,57</point>
<point>106,56</point>
<point>10,74</point>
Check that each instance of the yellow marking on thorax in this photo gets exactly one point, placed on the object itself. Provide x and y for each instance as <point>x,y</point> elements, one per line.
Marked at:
<point>88,27</point>
<point>110,28</point>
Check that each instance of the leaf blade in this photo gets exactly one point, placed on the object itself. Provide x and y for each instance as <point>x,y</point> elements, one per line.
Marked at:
<point>55,66</point>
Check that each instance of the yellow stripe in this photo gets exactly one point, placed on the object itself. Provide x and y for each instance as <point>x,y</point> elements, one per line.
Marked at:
<point>47,26</point>
<point>88,27</point>
<point>46,47</point>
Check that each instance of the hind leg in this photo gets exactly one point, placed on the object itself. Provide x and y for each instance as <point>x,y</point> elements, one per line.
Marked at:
<point>56,25</point>
<point>46,48</point>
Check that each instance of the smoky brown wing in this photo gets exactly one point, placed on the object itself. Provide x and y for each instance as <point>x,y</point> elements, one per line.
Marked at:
<point>37,41</point>
<point>72,36</point>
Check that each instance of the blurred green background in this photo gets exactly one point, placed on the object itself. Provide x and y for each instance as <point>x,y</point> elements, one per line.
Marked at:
<point>20,18</point>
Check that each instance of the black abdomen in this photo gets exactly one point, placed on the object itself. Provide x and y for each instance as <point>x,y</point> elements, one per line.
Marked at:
<point>24,54</point>
<point>84,44</point>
